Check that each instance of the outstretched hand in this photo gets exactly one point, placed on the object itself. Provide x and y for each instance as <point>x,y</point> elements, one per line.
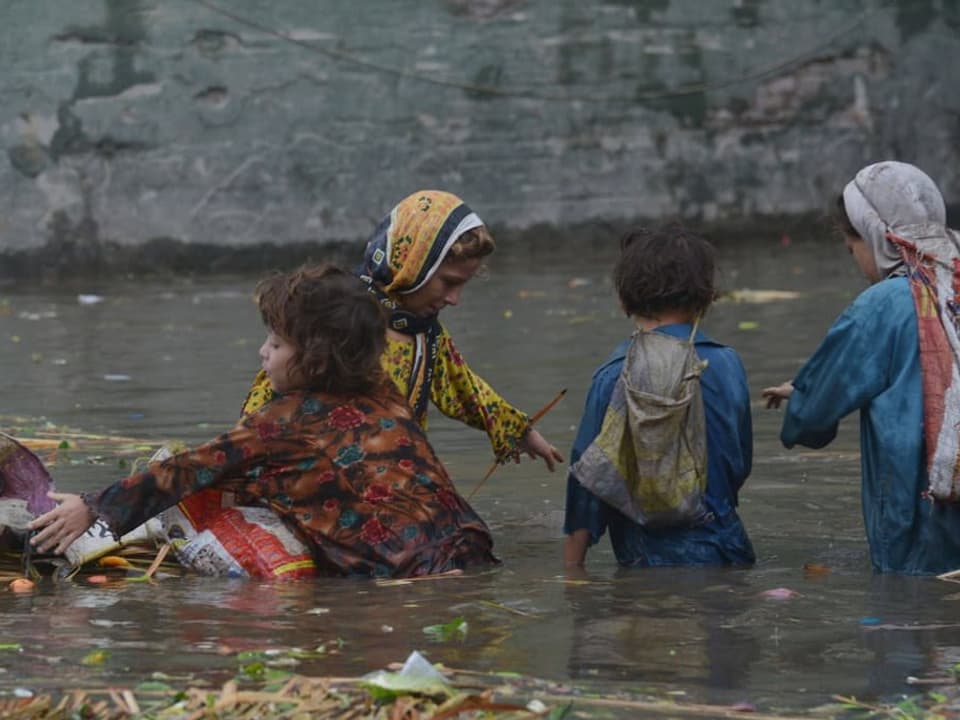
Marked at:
<point>535,445</point>
<point>777,394</point>
<point>59,527</point>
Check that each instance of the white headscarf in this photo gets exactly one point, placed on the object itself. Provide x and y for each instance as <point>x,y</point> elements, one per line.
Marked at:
<point>901,198</point>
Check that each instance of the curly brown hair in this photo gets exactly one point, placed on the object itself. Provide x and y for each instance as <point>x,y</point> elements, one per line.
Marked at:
<point>666,268</point>
<point>474,243</point>
<point>335,324</point>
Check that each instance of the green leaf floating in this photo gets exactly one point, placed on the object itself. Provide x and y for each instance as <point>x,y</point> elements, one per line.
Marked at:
<point>441,633</point>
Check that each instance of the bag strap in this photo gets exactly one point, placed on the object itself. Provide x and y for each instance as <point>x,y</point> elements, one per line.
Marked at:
<point>694,328</point>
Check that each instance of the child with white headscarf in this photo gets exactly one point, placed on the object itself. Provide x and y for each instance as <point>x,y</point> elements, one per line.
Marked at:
<point>893,354</point>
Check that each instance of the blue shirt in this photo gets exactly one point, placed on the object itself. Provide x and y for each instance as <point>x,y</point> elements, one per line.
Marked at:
<point>870,361</point>
<point>726,401</point>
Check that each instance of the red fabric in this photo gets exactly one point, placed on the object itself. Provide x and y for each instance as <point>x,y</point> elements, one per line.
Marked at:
<point>936,354</point>
<point>253,547</point>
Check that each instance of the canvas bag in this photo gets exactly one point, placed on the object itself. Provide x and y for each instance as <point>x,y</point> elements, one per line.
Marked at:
<point>649,460</point>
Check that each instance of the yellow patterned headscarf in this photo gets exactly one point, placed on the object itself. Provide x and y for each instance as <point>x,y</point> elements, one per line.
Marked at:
<point>405,251</point>
<point>410,243</point>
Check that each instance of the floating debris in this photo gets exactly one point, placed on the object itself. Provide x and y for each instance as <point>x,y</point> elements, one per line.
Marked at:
<point>747,295</point>
<point>780,593</point>
<point>456,629</point>
<point>812,569</point>
<point>22,585</point>
<point>415,690</point>
<point>34,316</point>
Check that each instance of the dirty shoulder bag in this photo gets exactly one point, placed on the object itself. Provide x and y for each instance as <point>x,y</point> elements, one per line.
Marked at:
<point>649,460</point>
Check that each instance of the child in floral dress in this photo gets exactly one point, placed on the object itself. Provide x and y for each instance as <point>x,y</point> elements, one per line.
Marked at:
<point>417,263</point>
<point>336,453</point>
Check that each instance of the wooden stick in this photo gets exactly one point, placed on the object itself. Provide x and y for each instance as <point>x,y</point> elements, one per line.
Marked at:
<point>161,555</point>
<point>506,608</point>
<point>456,572</point>
<point>38,443</point>
<point>548,407</point>
<point>536,416</point>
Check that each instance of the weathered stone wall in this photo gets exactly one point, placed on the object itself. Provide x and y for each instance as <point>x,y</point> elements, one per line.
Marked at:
<point>128,121</point>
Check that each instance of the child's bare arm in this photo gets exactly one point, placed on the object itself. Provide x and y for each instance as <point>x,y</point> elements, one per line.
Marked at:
<point>777,394</point>
<point>62,525</point>
<point>535,445</point>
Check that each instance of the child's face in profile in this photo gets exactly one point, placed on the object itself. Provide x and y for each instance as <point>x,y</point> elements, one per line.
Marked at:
<point>863,257</point>
<point>275,355</point>
<point>443,288</point>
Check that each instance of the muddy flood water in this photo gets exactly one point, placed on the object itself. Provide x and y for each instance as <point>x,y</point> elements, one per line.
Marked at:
<point>160,361</point>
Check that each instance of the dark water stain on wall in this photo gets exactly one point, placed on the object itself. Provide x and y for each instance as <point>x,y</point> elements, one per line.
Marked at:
<point>918,16</point>
<point>142,119</point>
<point>644,9</point>
<point>121,35</point>
<point>107,70</point>
<point>915,17</point>
<point>482,9</point>
<point>746,14</point>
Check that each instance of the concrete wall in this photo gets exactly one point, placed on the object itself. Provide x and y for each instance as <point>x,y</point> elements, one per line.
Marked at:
<point>128,121</point>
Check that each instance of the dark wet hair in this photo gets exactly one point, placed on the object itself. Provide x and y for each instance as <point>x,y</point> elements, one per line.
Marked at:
<point>842,220</point>
<point>337,328</point>
<point>666,268</point>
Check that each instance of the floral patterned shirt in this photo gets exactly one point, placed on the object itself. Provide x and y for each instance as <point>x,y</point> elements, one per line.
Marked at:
<point>356,478</point>
<point>459,393</point>
<point>456,390</point>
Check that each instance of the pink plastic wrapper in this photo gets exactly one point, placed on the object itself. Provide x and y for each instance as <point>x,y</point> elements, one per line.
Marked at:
<point>23,479</point>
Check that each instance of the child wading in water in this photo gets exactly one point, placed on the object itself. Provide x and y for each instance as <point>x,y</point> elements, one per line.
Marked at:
<point>664,279</point>
<point>336,453</point>
<point>418,262</point>
<point>894,355</point>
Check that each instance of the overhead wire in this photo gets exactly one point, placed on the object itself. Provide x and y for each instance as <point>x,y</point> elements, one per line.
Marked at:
<point>497,92</point>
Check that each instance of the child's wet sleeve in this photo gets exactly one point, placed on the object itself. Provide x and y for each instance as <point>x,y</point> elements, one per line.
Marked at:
<point>461,394</point>
<point>744,424</point>
<point>850,367</point>
<point>137,498</point>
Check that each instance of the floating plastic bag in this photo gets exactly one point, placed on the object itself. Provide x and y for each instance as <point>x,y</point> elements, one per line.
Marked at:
<point>417,677</point>
<point>98,541</point>
<point>24,484</point>
<point>212,536</point>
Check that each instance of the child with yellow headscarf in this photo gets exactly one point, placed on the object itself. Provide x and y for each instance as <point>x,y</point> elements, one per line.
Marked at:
<point>417,262</point>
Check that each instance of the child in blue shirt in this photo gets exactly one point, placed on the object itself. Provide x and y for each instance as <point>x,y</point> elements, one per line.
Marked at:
<point>874,358</point>
<point>665,280</point>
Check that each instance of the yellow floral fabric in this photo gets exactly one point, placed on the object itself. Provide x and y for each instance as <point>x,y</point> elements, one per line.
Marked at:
<point>456,390</point>
<point>459,393</point>
<point>260,393</point>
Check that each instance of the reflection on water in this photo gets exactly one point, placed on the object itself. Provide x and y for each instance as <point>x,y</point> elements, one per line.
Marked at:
<point>161,362</point>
